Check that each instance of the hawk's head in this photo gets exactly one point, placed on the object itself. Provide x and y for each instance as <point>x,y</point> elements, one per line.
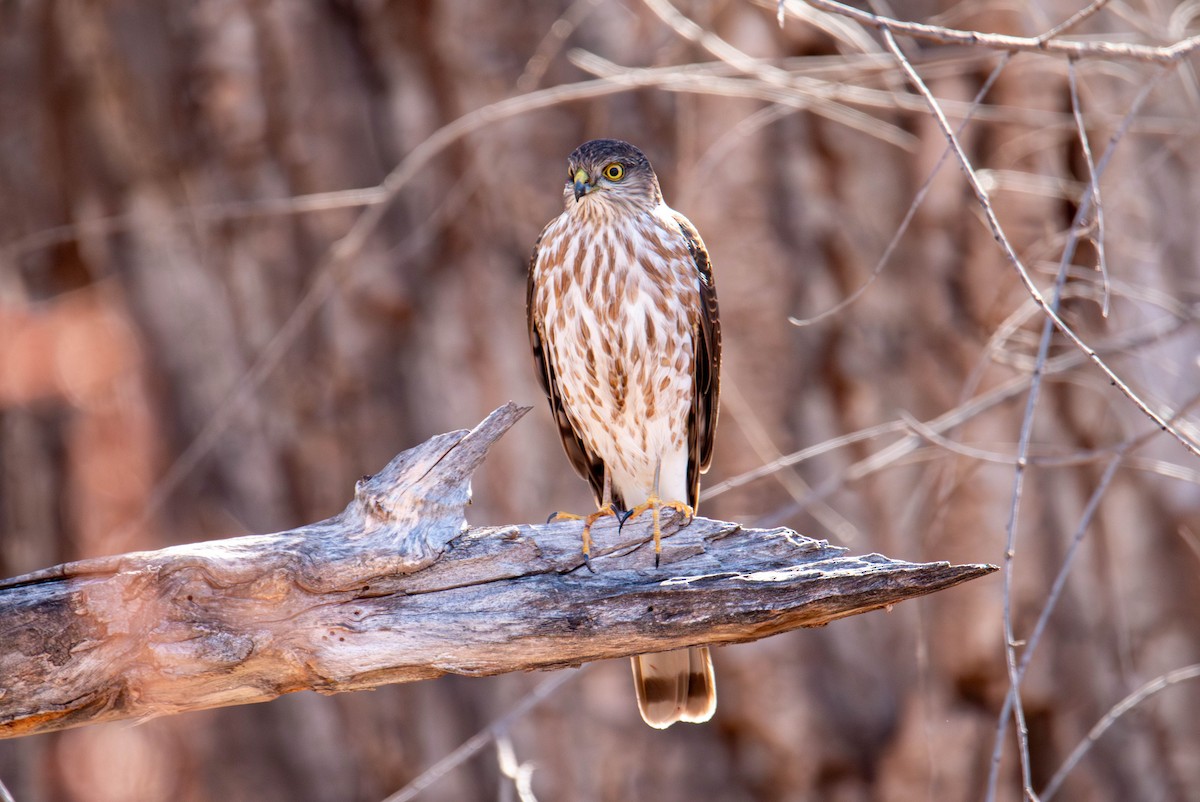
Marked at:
<point>611,173</point>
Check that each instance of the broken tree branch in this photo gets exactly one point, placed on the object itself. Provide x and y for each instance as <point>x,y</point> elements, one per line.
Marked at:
<point>397,588</point>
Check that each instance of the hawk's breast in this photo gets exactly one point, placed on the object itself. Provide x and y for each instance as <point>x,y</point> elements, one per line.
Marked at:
<point>619,302</point>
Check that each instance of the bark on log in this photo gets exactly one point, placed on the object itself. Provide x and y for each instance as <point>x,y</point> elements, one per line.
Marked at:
<point>398,588</point>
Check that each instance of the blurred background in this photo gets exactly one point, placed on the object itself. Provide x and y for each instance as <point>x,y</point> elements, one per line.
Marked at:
<point>244,261</point>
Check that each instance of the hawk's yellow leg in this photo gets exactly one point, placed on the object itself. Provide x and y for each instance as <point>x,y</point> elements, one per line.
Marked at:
<point>655,505</point>
<point>604,511</point>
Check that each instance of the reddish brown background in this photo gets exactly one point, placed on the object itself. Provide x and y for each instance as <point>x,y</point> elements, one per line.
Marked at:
<point>149,131</point>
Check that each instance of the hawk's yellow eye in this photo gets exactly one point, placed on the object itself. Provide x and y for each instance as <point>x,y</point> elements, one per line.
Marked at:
<point>614,172</point>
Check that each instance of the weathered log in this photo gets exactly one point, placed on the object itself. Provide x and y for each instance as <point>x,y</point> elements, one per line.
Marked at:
<point>397,588</point>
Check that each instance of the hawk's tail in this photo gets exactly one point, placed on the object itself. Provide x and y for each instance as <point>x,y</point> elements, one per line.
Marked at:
<point>675,686</point>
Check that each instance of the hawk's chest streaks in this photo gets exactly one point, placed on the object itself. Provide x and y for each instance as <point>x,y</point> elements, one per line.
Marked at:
<point>617,319</point>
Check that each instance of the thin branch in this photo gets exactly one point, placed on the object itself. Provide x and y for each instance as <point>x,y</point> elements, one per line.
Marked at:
<point>689,29</point>
<point>1121,708</point>
<point>1060,580</point>
<point>500,727</point>
<point>1012,699</point>
<point>1151,333</point>
<point>550,45</point>
<point>1070,22</point>
<point>760,441</point>
<point>911,214</point>
<point>809,94</point>
<point>796,457</point>
<point>1167,54</point>
<point>1167,470</point>
<point>521,774</point>
<point>983,455</point>
<point>207,212</point>
<point>1094,183</point>
<point>697,177</point>
<point>1052,319</point>
<point>1010,252</point>
<point>820,83</point>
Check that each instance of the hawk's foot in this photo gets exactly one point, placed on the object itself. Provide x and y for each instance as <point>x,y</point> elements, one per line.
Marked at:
<point>655,505</point>
<point>588,520</point>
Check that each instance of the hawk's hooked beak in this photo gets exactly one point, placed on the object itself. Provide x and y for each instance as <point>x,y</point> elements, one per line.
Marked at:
<point>582,186</point>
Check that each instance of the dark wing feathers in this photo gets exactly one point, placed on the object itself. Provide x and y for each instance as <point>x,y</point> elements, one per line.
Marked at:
<point>702,422</point>
<point>585,463</point>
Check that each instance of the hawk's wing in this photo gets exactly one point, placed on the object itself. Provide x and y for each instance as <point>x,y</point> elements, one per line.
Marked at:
<point>702,422</point>
<point>586,464</point>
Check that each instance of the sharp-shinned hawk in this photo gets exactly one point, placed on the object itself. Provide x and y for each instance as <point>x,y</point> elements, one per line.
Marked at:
<point>623,323</point>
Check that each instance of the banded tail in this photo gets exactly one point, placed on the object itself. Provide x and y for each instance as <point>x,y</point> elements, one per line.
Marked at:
<point>675,686</point>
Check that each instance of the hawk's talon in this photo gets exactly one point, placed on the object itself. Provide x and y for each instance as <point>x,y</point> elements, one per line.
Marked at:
<point>655,505</point>
<point>588,521</point>
<point>622,516</point>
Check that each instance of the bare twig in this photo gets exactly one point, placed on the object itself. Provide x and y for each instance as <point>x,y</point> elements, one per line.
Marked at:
<point>520,774</point>
<point>207,212</point>
<point>553,42</point>
<point>1013,697</point>
<point>909,215</point>
<point>1053,319</point>
<point>1012,701</point>
<point>1094,182</point>
<point>736,405</point>
<point>808,94</point>
<point>897,450</point>
<point>1090,200</point>
<point>1121,708</point>
<point>498,728</point>
<point>1073,20</point>
<point>1010,252</point>
<point>1167,54</point>
<point>802,455</point>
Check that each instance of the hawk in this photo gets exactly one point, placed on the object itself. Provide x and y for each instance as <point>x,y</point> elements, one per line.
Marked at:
<point>623,324</point>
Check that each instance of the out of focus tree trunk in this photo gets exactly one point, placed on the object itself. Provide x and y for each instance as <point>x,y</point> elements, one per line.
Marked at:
<point>182,351</point>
